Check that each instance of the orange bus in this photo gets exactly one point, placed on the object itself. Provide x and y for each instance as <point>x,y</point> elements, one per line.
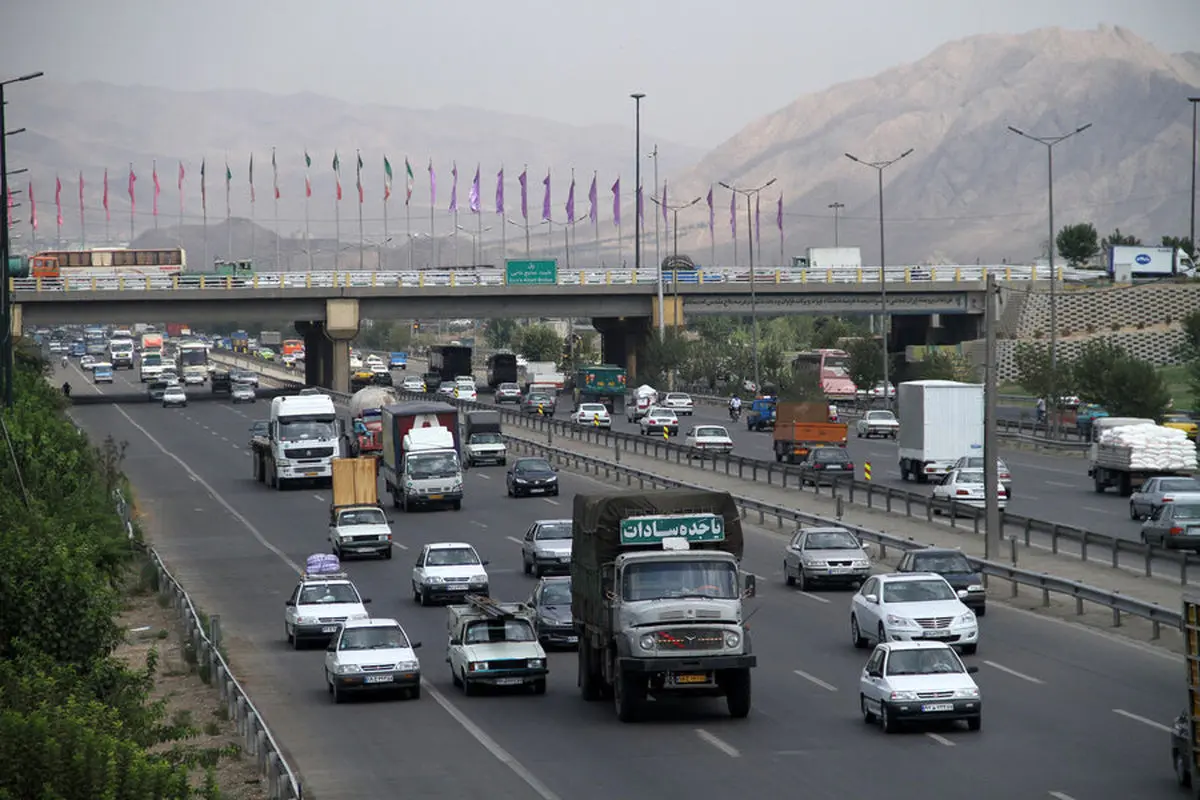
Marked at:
<point>292,346</point>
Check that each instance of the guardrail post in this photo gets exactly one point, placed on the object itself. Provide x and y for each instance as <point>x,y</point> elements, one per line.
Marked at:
<point>1116,613</point>
<point>1045,596</point>
<point>1183,570</point>
<point>214,630</point>
<point>1079,606</point>
<point>1054,538</point>
<point>1083,545</point>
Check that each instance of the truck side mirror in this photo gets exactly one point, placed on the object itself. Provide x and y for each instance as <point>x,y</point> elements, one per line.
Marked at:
<point>749,585</point>
<point>455,642</point>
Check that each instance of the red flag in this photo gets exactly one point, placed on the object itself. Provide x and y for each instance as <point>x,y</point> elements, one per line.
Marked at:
<point>32,207</point>
<point>107,214</point>
<point>58,198</point>
<point>181,176</point>
<point>154,175</point>
<point>81,193</point>
<point>132,199</point>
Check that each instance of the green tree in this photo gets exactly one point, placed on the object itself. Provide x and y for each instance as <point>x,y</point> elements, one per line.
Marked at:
<point>1078,244</point>
<point>662,356</point>
<point>1180,242</point>
<point>827,331</point>
<point>866,363</point>
<point>1118,239</point>
<point>1091,368</point>
<point>500,334</point>
<point>1035,374</point>
<point>1189,353</point>
<point>941,365</point>
<point>802,385</point>
<point>539,343</point>
<point>1105,374</point>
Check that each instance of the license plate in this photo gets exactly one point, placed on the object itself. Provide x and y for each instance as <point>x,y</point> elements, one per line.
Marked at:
<point>832,467</point>
<point>692,677</point>
<point>572,639</point>
<point>509,681</point>
<point>934,707</point>
<point>837,570</point>
<point>536,491</point>
<point>329,629</point>
<point>938,634</point>
<point>435,497</point>
<point>311,474</point>
<point>379,678</point>
<point>457,587</point>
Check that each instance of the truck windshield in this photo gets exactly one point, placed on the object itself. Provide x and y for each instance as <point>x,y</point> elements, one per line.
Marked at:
<point>664,580</point>
<point>297,430</point>
<point>151,360</point>
<point>499,630</point>
<point>433,465</point>
<point>486,438</point>
<point>362,516</point>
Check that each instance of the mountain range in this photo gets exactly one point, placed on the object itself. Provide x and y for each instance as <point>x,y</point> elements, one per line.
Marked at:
<point>969,191</point>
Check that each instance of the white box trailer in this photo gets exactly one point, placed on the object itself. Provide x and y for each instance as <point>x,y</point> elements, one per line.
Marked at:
<point>940,422</point>
<point>1126,263</point>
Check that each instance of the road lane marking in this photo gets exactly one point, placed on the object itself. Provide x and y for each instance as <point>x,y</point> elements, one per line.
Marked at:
<point>1014,673</point>
<point>400,546</point>
<point>481,524</point>
<point>1060,485</point>
<point>722,745</point>
<point>318,497</point>
<point>550,501</point>
<point>1095,510</point>
<point>937,737</point>
<point>815,680</point>
<point>1061,796</point>
<point>1143,720</point>
<point>514,539</point>
<point>812,596</point>
<point>485,477</point>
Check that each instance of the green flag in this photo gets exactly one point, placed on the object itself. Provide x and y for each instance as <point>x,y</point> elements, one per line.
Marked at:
<point>408,181</point>
<point>387,178</point>
<point>337,163</point>
<point>307,159</point>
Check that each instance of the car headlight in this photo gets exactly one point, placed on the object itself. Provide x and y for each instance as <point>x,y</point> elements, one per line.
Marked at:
<point>479,665</point>
<point>552,479</point>
<point>966,619</point>
<point>407,666</point>
<point>520,480</point>
<point>732,639</point>
<point>348,668</point>
<point>965,693</point>
<point>305,620</point>
<point>900,622</point>
<point>481,578</point>
<point>905,695</point>
<point>536,663</point>
<point>816,564</point>
<point>359,615</point>
<point>861,563</point>
<point>433,579</point>
<point>647,642</point>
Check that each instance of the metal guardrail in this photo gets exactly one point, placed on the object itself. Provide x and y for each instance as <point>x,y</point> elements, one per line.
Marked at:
<point>94,282</point>
<point>1048,584</point>
<point>258,741</point>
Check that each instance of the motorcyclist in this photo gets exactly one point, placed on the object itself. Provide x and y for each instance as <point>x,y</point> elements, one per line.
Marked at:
<point>65,362</point>
<point>735,407</point>
<point>66,388</point>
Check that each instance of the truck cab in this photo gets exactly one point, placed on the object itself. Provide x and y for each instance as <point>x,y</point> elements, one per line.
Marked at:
<point>431,471</point>
<point>494,644</point>
<point>303,440</point>
<point>761,414</point>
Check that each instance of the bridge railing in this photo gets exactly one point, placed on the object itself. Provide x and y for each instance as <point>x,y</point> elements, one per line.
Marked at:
<point>107,282</point>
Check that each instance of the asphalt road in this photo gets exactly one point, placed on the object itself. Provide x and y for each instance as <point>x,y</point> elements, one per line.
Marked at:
<point>1069,713</point>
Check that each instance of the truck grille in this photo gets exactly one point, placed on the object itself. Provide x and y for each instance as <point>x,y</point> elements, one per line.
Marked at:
<point>308,452</point>
<point>690,639</point>
<point>935,622</point>
<point>677,616</point>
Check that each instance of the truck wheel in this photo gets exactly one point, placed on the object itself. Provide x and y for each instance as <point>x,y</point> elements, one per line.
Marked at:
<point>1098,486</point>
<point>589,685</point>
<point>539,686</point>
<point>458,505</point>
<point>628,695</point>
<point>737,693</point>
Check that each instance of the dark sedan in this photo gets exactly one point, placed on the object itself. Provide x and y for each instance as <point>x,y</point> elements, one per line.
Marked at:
<point>530,476</point>
<point>826,465</point>
<point>551,603</point>
<point>955,568</point>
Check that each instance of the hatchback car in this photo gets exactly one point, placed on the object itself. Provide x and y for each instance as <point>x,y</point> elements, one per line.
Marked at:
<point>660,421</point>
<point>1175,525</point>
<point>546,547</point>
<point>952,565</point>
<point>1156,492</point>
<point>173,395</point>
<point>552,620</point>
<point>826,465</point>
<point>915,606</point>
<point>538,404</point>
<point>530,476</point>
<point>242,393</point>
<point>918,682</point>
<point>680,403</point>
<point>976,462</point>
<point>592,414</point>
<point>508,393</point>
<point>825,555</point>
<point>965,487</point>
<point>709,439</point>
<point>413,383</point>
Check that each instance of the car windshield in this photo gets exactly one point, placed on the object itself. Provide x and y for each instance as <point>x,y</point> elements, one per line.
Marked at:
<point>486,438</point>
<point>325,593</point>
<point>432,465</point>
<point>299,430</point>
<point>380,638</point>
<point>677,396</point>
<point>923,662</point>
<point>553,530</point>
<point>509,387</point>
<point>941,563</point>
<point>830,454</point>
<point>451,557</point>
<point>881,416</point>
<point>592,408</point>
<point>556,594</point>
<point>533,465</point>
<point>917,591</point>
<point>970,476</point>
<point>658,580</point>
<point>660,413</point>
<point>260,428</point>
<point>499,630</point>
<point>832,540</point>
<point>1179,485</point>
<point>538,399</point>
<point>448,386</point>
<point>713,431</point>
<point>362,516</point>
<point>1187,511</point>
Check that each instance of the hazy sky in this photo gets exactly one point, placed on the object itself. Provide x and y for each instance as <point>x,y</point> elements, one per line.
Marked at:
<point>708,67</point>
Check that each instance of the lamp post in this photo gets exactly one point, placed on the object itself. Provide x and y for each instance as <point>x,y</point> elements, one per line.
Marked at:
<point>637,217</point>
<point>1192,226</point>
<point>879,167</point>
<point>674,209</point>
<point>1049,142</point>
<point>6,343</point>
<point>476,244</point>
<point>748,194</point>
<point>836,208</point>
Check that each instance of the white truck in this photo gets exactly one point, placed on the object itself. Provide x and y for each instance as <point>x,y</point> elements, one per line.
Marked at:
<point>1127,263</point>
<point>1127,451</point>
<point>150,366</point>
<point>493,644</point>
<point>421,464</point>
<point>120,352</point>
<point>303,438</point>
<point>357,522</point>
<point>940,422</point>
<point>830,258</point>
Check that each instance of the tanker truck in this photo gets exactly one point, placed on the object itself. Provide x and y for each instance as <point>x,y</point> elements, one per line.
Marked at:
<point>366,419</point>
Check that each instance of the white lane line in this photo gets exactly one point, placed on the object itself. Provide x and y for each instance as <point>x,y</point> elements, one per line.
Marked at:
<point>937,737</point>
<point>480,524</point>
<point>514,539</point>
<point>1013,672</point>
<point>1061,796</point>
<point>1095,510</point>
<point>493,747</point>
<point>317,497</point>
<point>399,546</point>
<point>1143,720</point>
<point>237,447</point>
<point>550,501</point>
<point>485,477</point>
<point>1060,485</point>
<point>722,745</point>
<point>816,597</point>
<point>815,680</point>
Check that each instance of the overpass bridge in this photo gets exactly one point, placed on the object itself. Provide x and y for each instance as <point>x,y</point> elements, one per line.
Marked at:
<point>928,305</point>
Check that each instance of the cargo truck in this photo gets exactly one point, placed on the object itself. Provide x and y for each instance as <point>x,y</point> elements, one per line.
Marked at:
<point>366,419</point>
<point>1128,263</point>
<point>302,440</point>
<point>829,258</point>
<point>448,361</point>
<point>656,596</point>
<point>421,463</point>
<point>799,427</point>
<point>605,384</point>
<point>940,422</point>
<point>357,522</point>
<point>1127,467</point>
<point>270,339</point>
<point>482,441</point>
<point>501,368</point>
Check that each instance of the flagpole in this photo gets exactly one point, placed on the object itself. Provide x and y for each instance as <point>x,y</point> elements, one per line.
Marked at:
<point>154,171</point>
<point>571,247</point>
<point>455,234</point>
<point>503,226</point>
<point>58,211</point>
<point>253,231</point>
<point>358,185</point>
<point>275,194</point>
<point>131,205</point>
<point>433,242</point>
<point>32,219</point>
<point>408,233</point>
<point>204,209</point>
<point>180,225</point>
<point>479,222</point>
<point>337,230</point>
<point>596,221</point>
<point>82,217</point>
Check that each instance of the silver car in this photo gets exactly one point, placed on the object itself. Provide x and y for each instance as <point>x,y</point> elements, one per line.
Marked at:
<point>877,423</point>
<point>825,555</point>
<point>242,393</point>
<point>547,547</point>
<point>1156,492</point>
<point>976,462</point>
<point>1176,525</point>
<point>174,395</point>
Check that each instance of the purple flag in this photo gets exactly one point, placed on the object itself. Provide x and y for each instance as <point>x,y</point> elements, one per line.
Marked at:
<point>473,198</point>
<point>454,188</point>
<point>711,216</point>
<point>592,200</point>
<point>571,202</point>
<point>757,224</point>
<point>616,190</point>
<point>779,214</point>
<point>641,212</point>
<point>432,185</point>
<point>664,202</point>
<point>500,191</point>
<point>524,194</point>
<point>733,214</point>
<point>546,197</point>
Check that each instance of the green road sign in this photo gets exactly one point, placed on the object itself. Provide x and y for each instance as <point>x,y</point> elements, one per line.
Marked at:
<point>531,272</point>
<point>692,527</point>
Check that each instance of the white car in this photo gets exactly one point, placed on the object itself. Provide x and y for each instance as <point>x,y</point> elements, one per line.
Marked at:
<point>194,377</point>
<point>709,439</point>
<point>547,547</point>
<point>373,360</point>
<point>465,391</point>
<point>87,362</point>
<point>918,682</point>
<point>911,606</point>
<point>379,369</point>
<point>372,655</point>
<point>174,395</point>
<point>318,605</point>
<point>242,393</point>
<point>413,383</point>
<point>1003,473</point>
<point>660,421</point>
<point>496,647</point>
<point>678,402</point>
<point>593,414</point>
<point>448,571</point>
<point>878,423</point>
<point>355,363</point>
<point>965,487</point>
<point>447,388</point>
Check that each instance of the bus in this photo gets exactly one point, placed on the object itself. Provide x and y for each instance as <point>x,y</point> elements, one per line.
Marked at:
<point>834,369</point>
<point>95,340</point>
<point>193,362</point>
<point>107,262</point>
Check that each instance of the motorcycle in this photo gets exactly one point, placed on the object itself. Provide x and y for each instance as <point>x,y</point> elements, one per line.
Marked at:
<point>65,362</point>
<point>735,413</point>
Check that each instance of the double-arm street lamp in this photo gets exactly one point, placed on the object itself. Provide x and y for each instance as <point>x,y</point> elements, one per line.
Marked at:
<point>748,194</point>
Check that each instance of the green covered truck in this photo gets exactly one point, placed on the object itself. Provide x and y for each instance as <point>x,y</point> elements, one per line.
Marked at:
<point>602,383</point>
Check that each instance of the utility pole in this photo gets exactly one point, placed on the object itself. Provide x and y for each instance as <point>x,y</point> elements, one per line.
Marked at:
<point>1192,226</point>
<point>836,208</point>
<point>991,450</point>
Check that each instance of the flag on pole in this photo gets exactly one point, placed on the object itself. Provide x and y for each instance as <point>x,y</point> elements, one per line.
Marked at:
<point>81,197</point>
<point>358,179</point>
<point>733,214</point>
<point>107,214</point>
<point>408,181</point>
<point>203,191</point>
<point>32,207</point>
<point>307,179</point>
<point>523,179</point>
<point>274,174</point>
<point>252,198</point>
<point>500,192</point>
<point>58,198</point>
<point>571,202</point>
<point>641,212</point>
<point>11,205</point>
<point>616,190</point>
<point>157,188</point>
<point>711,216</point>
<point>432,185</point>
<point>454,188</point>
<point>546,197</point>
<point>337,172</point>
<point>181,176</point>
<point>592,210</point>
<point>664,202</point>
<point>779,214</point>
<point>132,199</point>
<point>228,181</point>
<point>473,197</point>
<point>387,179</point>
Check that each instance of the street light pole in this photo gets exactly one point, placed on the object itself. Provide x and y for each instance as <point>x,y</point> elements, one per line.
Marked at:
<point>1192,226</point>
<point>638,200</point>
<point>836,208</point>
<point>879,167</point>
<point>748,194</point>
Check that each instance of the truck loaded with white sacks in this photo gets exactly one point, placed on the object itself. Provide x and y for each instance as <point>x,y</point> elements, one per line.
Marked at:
<point>1127,451</point>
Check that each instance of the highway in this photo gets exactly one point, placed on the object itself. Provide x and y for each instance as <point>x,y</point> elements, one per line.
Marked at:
<point>1069,713</point>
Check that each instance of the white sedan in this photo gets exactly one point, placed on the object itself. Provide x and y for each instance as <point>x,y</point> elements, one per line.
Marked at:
<point>709,439</point>
<point>660,421</point>
<point>911,606</point>
<point>678,402</point>
<point>373,359</point>
<point>465,391</point>
<point>918,682</point>
<point>370,655</point>
<point>593,414</point>
<point>413,383</point>
<point>965,487</point>
<point>877,423</point>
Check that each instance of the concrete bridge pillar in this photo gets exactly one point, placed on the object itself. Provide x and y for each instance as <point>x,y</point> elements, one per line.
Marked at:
<point>318,354</point>
<point>622,339</point>
<point>327,345</point>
